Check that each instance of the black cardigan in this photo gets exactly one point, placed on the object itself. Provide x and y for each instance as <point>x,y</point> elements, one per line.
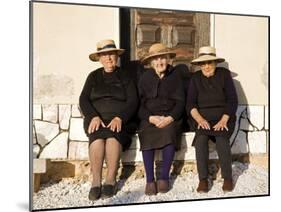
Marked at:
<point>161,96</point>
<point>104,92</point>
<point>213,96</point>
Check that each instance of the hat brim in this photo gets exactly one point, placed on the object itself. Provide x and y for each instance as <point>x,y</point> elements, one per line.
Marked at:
<point>148,58</point>
<point>204,58</point>
<point>95,56</point>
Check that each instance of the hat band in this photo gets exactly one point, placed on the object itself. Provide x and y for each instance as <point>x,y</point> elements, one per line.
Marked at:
<point>107,47</point>
<point>212,54</point>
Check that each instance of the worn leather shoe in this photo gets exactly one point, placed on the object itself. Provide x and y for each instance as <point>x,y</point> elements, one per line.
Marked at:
<point>227,185</point>
<point>162,186</point>
<point>95,193</point>
<point>203,186</point>
<point>109,190</point>
<point>150,188</point>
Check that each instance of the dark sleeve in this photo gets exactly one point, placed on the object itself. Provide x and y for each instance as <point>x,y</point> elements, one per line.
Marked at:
<point>84,100</point>
<point>179,96</point>
<point>143,113</point>
<point>231,95</point>
<point>192,95</point>
<point>131,103</point>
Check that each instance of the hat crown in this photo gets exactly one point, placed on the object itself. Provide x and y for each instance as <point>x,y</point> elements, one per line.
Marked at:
<point>105,43</point>
<point>157,48</point>
<point>207,50</point>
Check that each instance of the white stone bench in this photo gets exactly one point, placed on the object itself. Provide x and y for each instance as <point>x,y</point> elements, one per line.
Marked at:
<point>186,153</point>
<point>60,135</point>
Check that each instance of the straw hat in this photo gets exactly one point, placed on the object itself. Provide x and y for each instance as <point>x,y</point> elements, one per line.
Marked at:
<point>207,53</point>
<point>105,46</point>
<point>156,50</point>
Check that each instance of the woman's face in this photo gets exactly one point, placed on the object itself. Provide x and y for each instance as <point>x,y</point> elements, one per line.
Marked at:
<point>159,63</point>
<point>208,68</point>
<point>108,60</point>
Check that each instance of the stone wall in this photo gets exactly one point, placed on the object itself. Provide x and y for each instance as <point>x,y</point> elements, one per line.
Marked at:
<point>58,134</point>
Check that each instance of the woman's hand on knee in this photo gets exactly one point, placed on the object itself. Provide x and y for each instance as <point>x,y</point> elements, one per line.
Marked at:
<point>95,124</point>
<point>222,124</point>
<point>115,124</point>
<point>204,124</point>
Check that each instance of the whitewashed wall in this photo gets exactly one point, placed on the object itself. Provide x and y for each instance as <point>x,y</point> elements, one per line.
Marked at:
<point>63,37</point>
<point>243,42</point>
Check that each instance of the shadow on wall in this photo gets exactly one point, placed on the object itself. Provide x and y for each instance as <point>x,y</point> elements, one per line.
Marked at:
<point>239,136</point>
<point>242,99</point>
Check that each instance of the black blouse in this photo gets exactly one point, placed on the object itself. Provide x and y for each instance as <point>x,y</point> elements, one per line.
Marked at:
<point>108,95</point>
<point>161,96</point>
<point>213,96</point>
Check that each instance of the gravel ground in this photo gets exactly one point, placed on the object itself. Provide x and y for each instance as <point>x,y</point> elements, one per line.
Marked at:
<point>249,180</point>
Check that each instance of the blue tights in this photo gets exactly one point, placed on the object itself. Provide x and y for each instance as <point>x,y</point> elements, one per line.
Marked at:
<point>168,153</point>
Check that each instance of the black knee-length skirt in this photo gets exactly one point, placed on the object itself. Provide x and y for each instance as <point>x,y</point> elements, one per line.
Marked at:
<point>212,133</point>
<point>152,137</point>
<point>123,137</point>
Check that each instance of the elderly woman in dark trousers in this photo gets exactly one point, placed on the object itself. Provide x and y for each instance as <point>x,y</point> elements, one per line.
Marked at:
<point>212,103</point>
<point>162,105</point>
<point>108,101</point>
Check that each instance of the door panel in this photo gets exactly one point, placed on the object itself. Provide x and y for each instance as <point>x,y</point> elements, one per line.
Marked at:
<point>184,32</point>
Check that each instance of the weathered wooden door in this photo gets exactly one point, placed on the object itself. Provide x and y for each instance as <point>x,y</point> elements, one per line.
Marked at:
<point>184,32</point>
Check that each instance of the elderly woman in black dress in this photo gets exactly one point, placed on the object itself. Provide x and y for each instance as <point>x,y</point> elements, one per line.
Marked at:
<point>162,104</point>
<point>212,103</point>
<point>108,101</point>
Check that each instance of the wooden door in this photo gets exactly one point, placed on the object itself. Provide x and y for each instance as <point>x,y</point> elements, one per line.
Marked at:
<point>184,32</point>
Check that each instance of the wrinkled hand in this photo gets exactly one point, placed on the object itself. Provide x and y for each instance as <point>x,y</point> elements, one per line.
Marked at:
<point>165,121</point>
<point>95,124</point>
<point>222,124</point>
<point>155,119</point>
<point>204,124</point>
<point>115,124</point>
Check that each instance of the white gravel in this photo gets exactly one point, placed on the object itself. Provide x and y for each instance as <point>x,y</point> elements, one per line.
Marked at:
<point>249,180</point>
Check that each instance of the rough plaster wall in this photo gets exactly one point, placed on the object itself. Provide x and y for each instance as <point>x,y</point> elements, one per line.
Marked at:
<point>243,42</point>
<point>63,38</point>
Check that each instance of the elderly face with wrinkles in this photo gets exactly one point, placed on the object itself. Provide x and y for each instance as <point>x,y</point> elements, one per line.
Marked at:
<point>108,60</point>
<point>208,68</point>
<point>160,63</point>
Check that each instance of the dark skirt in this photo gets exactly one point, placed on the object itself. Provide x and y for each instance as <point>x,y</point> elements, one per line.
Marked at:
<point>152,137</point>
<point>212,133</point>
<point>123,137</point>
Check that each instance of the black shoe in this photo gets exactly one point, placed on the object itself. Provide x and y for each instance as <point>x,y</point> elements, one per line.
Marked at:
<point>95,193</point>
<point>202,186</point>
<point>109,190</point>
<point>150,188</point>
<point>162,186</point>
<point>227,185</point>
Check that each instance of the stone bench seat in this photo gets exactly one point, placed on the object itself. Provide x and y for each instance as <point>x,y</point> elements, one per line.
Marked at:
<point>186,153</point>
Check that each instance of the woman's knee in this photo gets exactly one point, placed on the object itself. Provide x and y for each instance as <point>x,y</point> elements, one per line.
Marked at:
<point>112,139</point>
<point>201,140</point>
<point>222,141</point>
<point>96,143</point>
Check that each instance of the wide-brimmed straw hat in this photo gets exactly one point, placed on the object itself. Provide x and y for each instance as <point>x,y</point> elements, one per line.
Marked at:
<point>207,53</point>
<point>157,49</point>
<point>105,46</point>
